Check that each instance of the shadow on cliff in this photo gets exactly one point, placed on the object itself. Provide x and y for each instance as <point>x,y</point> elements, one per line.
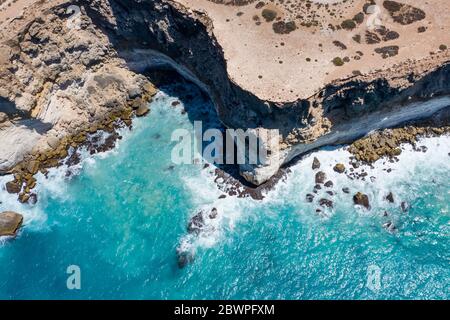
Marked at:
<point>185,47</point>
<point>191,49</point>
<point>186,44</point>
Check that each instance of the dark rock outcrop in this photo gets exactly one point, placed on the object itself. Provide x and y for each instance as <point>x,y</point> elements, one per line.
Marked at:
<point>390,197</point>
<point>403,13</point>
<point>315,164</point>
<point>390,227</point>
<point>10,223</point>
<point>13,187</point>
<point>329,184</point>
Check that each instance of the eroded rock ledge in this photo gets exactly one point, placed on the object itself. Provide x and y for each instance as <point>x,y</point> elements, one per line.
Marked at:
<point>60,80</point>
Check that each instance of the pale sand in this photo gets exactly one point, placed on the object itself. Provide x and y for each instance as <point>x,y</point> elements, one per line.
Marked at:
<point>252,51</point>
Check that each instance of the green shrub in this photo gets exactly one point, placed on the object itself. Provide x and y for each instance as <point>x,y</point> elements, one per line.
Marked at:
<point>338,62</point>
<point>348,24</point>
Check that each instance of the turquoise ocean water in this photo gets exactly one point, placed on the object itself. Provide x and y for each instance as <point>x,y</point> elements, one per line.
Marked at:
<point>122,217</point>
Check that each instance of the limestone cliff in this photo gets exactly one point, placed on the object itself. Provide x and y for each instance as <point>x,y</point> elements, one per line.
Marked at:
<point>60,76</point>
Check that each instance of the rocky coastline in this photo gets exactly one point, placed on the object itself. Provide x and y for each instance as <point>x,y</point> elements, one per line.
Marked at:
<point>60,83</point>
<point>10,223</point>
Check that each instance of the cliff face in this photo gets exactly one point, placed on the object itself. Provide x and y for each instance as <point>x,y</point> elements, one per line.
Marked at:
<point>78,76</point>
<point>165,34</point>
<point>187,41</point>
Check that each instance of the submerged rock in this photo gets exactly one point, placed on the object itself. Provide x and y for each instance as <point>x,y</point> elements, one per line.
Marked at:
<point>362,200</point>
<point>10,223</point>
<point>316,164</point>
<point>390,197</point>
<point>346,190</point>
<point>390,227</point>
<point>33,199</point>
<point>329,184</point>
<point>184,258</point>
<point>196,224</point>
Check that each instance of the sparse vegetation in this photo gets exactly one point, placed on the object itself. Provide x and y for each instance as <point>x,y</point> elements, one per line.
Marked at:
<point>338,62</point>
<point>359,18</point>
<point>348,24</point>
<point>269,14</point>
<point>282,27</point>
<point>442,47</point>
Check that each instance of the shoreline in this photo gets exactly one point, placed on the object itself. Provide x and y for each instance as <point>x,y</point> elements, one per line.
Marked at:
<point>227,179</point>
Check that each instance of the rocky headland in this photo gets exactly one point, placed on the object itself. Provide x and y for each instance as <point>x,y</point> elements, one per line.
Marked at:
<point>319,74</point>
<point>10,223</point>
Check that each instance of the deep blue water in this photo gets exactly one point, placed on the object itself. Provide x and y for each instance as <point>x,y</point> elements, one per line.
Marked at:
<point>122,218</point>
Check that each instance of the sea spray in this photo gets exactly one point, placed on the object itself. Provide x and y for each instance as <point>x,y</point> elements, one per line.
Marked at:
<point>127,213</point>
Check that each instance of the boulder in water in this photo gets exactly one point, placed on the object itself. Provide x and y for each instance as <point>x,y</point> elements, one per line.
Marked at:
<point>340,168</point>
<point>362,200</point>
<point>329,184</point>
<point>326,203</point>
<point>213,214</point>
<point>315,164</point>
<point>197,223</point>
<point>405,206</point>
<point>13,187</point>
<point>390,227</point>
<point>142,110</point>
<point>10,223</point>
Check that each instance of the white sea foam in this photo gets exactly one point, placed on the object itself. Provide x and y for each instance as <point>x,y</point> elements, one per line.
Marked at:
<point>300,182</point>
<point>54,184</point>
<point>205,196</point>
